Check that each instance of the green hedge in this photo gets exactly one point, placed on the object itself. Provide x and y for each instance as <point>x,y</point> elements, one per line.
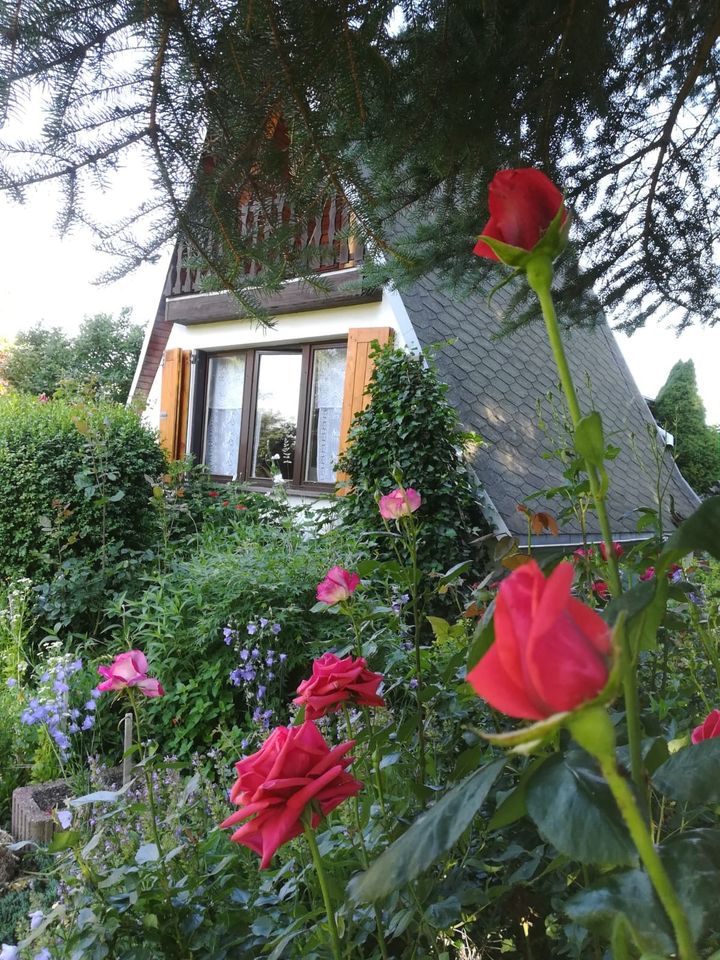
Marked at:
<point>72,482</point>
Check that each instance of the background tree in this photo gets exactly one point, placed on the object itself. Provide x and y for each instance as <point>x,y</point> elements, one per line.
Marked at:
<point>104,353</point>
<point>404,108</point>
<point>106,350</point>
<point>37,360</point>
<point>679,408</point>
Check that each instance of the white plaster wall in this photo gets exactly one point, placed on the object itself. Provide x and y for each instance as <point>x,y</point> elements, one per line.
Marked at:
<point>306,327</point>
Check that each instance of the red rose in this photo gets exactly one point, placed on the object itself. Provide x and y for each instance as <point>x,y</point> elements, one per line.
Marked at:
<point>710,727</point>
<point>551,652</point>
<point>648,574</point>
<point>240,506</point>
<point>293,768</point>
<point>617,550</point>
<point>523,204</point>
<point>338,585</point>
<point>226,503</point>
<point>212,493</point>
<point>583,554</point>
<point>334,682</point>
<point>601,590</point>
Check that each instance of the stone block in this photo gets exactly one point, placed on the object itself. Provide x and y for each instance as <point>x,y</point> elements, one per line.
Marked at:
<point>32,809</point>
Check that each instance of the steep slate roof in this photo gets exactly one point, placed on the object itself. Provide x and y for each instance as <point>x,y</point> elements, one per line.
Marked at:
<point>496,384</point>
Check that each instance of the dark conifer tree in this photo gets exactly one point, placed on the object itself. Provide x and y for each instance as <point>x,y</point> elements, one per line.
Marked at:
<point>679,408</point>
<point>406,110</point>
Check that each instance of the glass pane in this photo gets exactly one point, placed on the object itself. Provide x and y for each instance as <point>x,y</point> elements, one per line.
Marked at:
<point>328,378</point>
<point>276,416</point>
<point>226,379</point>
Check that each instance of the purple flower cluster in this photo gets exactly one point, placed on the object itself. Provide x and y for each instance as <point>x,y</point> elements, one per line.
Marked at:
<point>259,665</point>
<point>51,705</point>
<point>399,602</point>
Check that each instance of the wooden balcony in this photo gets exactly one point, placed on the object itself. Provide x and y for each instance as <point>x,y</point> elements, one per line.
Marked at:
<point>327,234</point>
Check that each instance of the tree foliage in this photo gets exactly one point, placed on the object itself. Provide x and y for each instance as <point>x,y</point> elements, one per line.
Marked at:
<point>410,431</point>
<point>680,410</point>
<point>104,353</point>
<point>405,109</point>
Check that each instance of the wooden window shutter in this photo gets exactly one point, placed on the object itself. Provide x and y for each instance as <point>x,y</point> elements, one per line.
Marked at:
<point>174,402</point>
<point>358,370</point>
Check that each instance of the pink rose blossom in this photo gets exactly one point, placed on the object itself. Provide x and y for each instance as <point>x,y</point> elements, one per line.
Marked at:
<point>399,503</point>
<point>649,574</point>
<point>130,670</point>
<point>710,727</point>
<point>551,652</point>
<point>617,550</point>
<point>338,585</point>
<point>294,770</point>
<point>335,682</point>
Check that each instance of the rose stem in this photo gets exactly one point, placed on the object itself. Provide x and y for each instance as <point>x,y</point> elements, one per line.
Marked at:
<point>363,849</point>
<point>317,860</point>
<point>153,820</point>
<point>539,275</point>
<point>593,730</point>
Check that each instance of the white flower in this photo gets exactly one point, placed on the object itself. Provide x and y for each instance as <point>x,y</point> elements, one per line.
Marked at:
<point>36,918</point>
<point>9,953</point>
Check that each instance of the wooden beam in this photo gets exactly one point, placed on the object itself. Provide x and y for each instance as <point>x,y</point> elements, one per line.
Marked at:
<point>295,297</point>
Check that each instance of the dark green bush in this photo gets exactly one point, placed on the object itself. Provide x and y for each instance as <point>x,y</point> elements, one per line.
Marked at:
<point>235,576</point>
<point>72,483</point>
<point>410,430</point>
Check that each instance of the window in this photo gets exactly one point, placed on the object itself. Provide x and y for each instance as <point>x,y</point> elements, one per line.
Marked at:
<point>268,410</point>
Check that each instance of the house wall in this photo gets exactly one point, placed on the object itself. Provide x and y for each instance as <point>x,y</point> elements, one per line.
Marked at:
<point>329,323</point>
<point>326,324</point>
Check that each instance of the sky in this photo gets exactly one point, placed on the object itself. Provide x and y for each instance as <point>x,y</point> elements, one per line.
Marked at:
<point>44,277</point>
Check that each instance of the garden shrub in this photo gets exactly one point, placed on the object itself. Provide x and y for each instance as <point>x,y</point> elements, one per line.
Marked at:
<point>235,577</point>
<point>410,433</point>
<point>72,483</point>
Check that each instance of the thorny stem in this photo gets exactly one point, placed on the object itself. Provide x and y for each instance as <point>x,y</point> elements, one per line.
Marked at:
<point>539,275</point>
<point>322,879</point>
<point>649,856</point>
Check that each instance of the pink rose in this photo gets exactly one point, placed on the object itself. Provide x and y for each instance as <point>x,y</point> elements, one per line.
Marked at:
<point>710,727</point>
<point>583,554</point>
<point>130,670</point>
<point>293,769</point>
<point>601,590</point>
<point>649,574</point>
<point>399,503</point>
<point>617,550</point>
<point>551,652</point>
<point>338,585</point>
<point>334,682</point>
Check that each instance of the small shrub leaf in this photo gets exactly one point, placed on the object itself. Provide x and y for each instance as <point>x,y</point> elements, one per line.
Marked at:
<point>432,834</point>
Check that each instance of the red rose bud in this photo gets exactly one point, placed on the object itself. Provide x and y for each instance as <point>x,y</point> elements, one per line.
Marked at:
<point>338,585</point>
<point>523,205</point>
<point>551,652</point>
<point>710,727</point>
<point>601,590</point>
<point>334,682</point>
<point>617,550</point>
<point>293,769</point>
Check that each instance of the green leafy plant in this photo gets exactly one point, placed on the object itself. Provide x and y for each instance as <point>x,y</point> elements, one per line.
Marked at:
<point>410,431</point>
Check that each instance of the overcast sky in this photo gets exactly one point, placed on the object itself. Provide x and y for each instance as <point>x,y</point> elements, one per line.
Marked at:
<point>43,277</point>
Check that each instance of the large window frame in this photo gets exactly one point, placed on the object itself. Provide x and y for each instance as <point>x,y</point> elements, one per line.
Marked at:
<point>253,354</point>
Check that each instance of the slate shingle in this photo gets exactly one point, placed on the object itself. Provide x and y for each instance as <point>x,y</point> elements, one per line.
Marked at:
<point>496,385</point>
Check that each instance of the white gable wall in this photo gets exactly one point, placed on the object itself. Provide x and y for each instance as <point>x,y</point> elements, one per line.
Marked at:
<point>307,327</point>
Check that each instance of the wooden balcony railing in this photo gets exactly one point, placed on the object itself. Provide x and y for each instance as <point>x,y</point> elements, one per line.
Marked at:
<point>327,233</point>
